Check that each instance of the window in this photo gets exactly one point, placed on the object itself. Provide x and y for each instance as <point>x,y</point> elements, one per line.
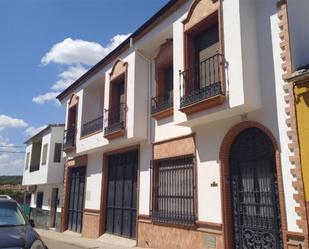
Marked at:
<point>115,116</point>
<point>27,160</point>
<point>44,156</point>
<point>39,199</point>
<point>57,153</point>
<point>173,194</point>
<point>162,103</point>
<point>36,155</point>
<point>202,81</point>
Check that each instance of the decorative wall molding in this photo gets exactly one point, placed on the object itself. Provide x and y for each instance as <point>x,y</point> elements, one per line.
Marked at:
<point>287,67</point>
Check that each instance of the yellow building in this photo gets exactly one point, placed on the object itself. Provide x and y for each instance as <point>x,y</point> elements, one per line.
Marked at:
<point>301,94</point>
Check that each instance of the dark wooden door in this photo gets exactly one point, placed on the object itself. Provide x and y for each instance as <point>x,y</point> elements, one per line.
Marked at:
<point>76,201</point>
<point>53,207</point>
<point>255,199</point>
<point>122,194</point>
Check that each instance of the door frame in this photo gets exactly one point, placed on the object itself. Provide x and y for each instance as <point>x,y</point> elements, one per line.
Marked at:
<point>80,161</point>
<point>104,186</point>
<point>84,196</point>
<point>226,204</point>
<point>53,207</point>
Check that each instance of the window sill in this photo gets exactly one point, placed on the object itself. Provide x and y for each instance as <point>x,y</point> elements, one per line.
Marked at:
<point>166,224</point>
<point>203,104</point>
<point>163,114</point>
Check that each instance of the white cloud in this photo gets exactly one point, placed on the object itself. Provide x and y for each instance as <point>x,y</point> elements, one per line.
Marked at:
<point>68,76</point>
<point>77,55</point>
<point>9,122</point>
<point>31,131</point>
<point>10,163</point>
<point>77,51</point>
<point>47,97</point>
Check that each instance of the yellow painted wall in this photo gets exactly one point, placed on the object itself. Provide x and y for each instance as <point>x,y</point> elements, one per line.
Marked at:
<point>302,108</point>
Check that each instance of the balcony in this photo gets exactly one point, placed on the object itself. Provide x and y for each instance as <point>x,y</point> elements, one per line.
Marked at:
<point>92,126</point>
<point>162,106</point>
<point>201,86</point>
<point>69,140</point>
<point>115,119</point>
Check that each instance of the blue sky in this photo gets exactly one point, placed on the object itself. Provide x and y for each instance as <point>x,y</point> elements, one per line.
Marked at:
<point>44,46</point>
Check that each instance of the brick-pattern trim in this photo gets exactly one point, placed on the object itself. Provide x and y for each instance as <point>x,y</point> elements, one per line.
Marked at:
<point>291,122</point>
<point>225,180</point>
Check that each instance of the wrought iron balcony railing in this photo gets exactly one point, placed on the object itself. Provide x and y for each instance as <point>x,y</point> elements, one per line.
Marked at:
<point>161,103</point>
<point>92,126</point>
<point>69,138</point>
<point>202,81</point>
<point>114,119</point>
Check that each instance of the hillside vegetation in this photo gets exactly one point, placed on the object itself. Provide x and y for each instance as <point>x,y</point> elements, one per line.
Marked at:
<point>11,180</point>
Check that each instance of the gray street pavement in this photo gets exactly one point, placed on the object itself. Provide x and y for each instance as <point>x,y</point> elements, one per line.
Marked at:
<point>69,240</point>
<point>55,244</point>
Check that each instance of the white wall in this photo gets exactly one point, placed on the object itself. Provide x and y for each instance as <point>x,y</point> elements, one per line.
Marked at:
<point>39,176</point>
<point>94,181</point>
<point>93,101</point>
<point>47,192</point>
<point>51,172</point>
<point>55,170</point>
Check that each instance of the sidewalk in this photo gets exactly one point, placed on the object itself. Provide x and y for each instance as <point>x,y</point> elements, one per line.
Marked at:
<point>106,241</point>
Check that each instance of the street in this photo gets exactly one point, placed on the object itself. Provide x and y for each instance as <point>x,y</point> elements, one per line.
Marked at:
<point>55,244</point>
<point>69,240</point>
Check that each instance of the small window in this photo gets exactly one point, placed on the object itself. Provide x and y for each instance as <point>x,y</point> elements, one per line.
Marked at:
<point>39,199</point>
<point>173,192</point>
<point>27,160</point>
<point>57,152</point>
<point>44,156</point>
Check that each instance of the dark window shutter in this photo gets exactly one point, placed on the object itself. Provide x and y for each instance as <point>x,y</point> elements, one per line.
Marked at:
<point>57,152</point>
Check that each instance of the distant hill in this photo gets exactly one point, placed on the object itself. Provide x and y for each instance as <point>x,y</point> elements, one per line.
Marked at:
<point>12,180</point>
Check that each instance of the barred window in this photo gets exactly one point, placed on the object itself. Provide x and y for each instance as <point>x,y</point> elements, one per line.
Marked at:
<point>173,194</point>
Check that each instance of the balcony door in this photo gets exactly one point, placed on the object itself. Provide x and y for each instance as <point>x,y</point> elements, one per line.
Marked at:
<point>72,118</point>
<point>118,101</point>
<point>206,46</point>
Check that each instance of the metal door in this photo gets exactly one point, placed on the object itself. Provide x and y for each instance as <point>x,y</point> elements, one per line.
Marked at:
<point>121,194</point>
<point>76,204</point>
<point>255,200</point>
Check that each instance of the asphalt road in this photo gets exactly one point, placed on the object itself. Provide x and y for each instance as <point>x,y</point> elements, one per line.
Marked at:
<point>54,244</point>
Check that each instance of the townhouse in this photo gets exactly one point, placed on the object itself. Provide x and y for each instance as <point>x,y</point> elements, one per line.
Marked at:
<point>43,175</point>
<point>183,136</point>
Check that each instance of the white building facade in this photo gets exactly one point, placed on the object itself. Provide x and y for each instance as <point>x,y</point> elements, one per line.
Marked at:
<point>43,175</point>
<point>178,137</point>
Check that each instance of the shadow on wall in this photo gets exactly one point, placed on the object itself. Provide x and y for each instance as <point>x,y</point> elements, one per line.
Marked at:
<point>303,90</point>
